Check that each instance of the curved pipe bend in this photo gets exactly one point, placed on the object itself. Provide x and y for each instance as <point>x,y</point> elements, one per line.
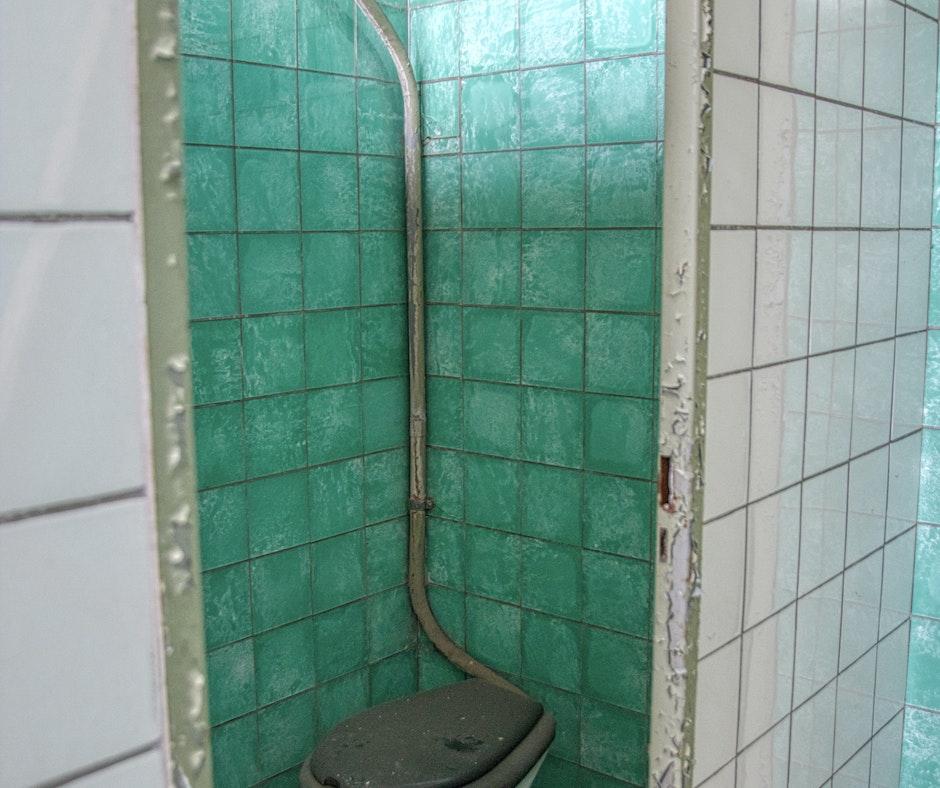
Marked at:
<point>417,539</point>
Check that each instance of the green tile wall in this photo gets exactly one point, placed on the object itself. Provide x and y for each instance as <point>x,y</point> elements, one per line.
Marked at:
<point>543,124</point>
<point>297,280</point>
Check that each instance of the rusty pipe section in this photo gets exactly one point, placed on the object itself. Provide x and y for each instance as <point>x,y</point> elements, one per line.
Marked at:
<point>419,504</point>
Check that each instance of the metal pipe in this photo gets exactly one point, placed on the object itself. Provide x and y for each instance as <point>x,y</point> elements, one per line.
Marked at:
<point>419,503</point>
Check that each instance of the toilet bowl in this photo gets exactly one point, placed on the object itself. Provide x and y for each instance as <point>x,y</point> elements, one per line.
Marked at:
<point>467,734</point>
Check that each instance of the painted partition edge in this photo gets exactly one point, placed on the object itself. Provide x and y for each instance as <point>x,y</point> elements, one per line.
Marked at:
<point>686,216</point>
<point>167,301</point>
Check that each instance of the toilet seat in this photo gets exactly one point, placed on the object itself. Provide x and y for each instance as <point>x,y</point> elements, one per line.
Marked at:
<point>467,734</point>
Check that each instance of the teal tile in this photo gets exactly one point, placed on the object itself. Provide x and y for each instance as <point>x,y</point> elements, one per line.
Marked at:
<point>384,342</point>
<point>338,570</point>
<point>624,185</point>
<point>565,707</point>
<point>268,191</point>
<point>220,444</point>
<point>381,193</point>
<point>450,610</point>
<point>386,555</point>
<point>341,699</point>
<point>623,100</point>
<point>551,579</point>
<point>921,761</point>
<point>442,261</point>
<point>489,108</point>
<point>446,553</point>
<point>491,190</point>
<point>391,626</point>
<point>333,347</point>
<point>618,515</point>
<point>386,485</point>
<point>494,634</point>
<point>264,31</point>
<point>934,312</point>
<point>434,670</point>
<point>433,33</point>
<point>445,412</point>
<point>336,498</point>
<point>327,112</point>
<point>608,423</point>
<point>932,387</point>
<point>621,354</point>
<point>441,178</point>
<point>210,189</point>
<point>385,413</point>
<point>491,344</point>
<point>923,688</point>
<point>284,661</point>
<point>551,506</point>
<point>553,188</point>
<point>492,418</point>
<point>334,424</point>
<point>274,354</point>
<point>235,751</point>
<point>275,434</point>
<point>553,351</point>
<point>380,117</point>
<point>331,270</point>
<point>439,109</point>
<point>623,270</point>
<point>617,592</point>
<point>393,678</point>
<point>552,427</point>
<point>489,36</point>
<point>618,28</point>
<point>926,574</point>
<point>205,27</point>
<point>553,106</point>
<point>277,513</point>
<point>285,733</point>
<point>614,741</point>
<point>223,526</point>
<point>556,772</point>
<point>384,274</point>
<point>551,650</point>
<point>446,483</point>
<point>340,641</point>
<point>372,56</point>
<point>269,272</point>
<point>226,605</point>
<point>444,340</point>
<point>617,669</point>
<point>553,269</point>
<point>492,497</point>
<point>280,588</point>
<point>493,564</point>
<point>326,38</point>
<point>329,191</point>
<point>265,106</point>
<point>491,267</point>
<point>217,361</point>
<point>213,280</point>
<point>930,477</point>
<point>207,100</point>
<point>551,32</point>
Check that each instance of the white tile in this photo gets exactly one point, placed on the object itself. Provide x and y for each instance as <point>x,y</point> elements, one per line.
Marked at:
<point>913,280</point>
<point>868,501</point>
<point>830,381</point>
<point>144,771</point>
<point>764,762</point>
<point>722,580</point>
<point>881,170</point>
<point>822,534</point>
<point>785,182</point>
<point>884,55</point>
<point>877,285</point>
<point>891,680</point>
<point>834,291</point>
<point>766,674</point>
<point>838,182</point>
<point>910,357</point>
<point>897,581</point>
<point>726,443</point>
<point>861,597</point>
<point>81,626</point>
<point>773,537</point>
<point>788,43</point>
<point>723,778</point>
<point>920,68</point>
<point>903,485</point>
<point>811,739</point>
<point>781,306</point>
<point>886,755</point>
<point>778,414</point>
<point>734,151</point>
<point>871,409</point>
<point>841,46</point>
<point>68,129</point>
<point>855,696</point>
<point>730,300</point>
<point>916,175</point>
<point>736,47</point>
<point>817,640</point>
<point>71,358</point>
<point>855,773</point>
<point>929,7</point>
<point>715,709</point>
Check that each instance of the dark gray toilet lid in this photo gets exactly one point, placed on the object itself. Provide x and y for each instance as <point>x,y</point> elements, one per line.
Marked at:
<point>442,738</point>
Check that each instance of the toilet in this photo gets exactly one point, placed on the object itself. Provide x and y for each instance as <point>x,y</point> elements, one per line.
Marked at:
<point>472,733</point>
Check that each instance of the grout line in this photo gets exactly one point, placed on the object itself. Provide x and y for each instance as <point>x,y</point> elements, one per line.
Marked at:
<point>65,217</point>
<point>19,515</point>
<point>99,766</point>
